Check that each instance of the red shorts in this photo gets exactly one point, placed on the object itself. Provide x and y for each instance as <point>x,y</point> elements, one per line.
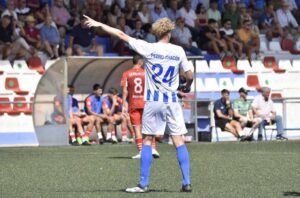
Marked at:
<point>136,116</point>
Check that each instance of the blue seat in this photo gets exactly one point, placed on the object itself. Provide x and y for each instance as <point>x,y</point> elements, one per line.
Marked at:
<point>111,54</point>
<point>209,57</point>
<point>67,40</point>
<point>104,42</point>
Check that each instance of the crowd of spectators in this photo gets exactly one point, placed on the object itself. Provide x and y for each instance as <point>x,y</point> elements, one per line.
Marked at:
<point>256,114</point>
<point>224,27</point>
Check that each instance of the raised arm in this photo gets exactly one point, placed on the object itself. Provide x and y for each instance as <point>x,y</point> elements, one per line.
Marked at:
<point>110,30</point>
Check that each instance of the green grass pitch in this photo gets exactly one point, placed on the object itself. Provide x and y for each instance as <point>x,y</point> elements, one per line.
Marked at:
<point>265,169</point>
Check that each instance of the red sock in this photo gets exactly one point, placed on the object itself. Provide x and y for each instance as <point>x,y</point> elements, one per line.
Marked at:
<point>153,143</point>
<point>139,143</point>
<point>124,132</point>
<point>88,132</point>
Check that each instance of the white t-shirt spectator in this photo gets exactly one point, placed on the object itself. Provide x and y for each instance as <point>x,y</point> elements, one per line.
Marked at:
<point>182,35</point>
<point>189,17</point>
<point>23,11</point>
<point>227,32</point>
<point>144,18</point>
<point>286,18</point>
<point>264,108</point>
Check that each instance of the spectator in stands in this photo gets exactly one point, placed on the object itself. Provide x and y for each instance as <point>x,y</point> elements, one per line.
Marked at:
<point>296,10</point>
<point>131,14</point>
<point>144,14</point>
<point>32,34</point>
<point>205,4</point>
<point>112,107</point>
<point>258,4</point>
<point>173,11</point>
<point>254,27</point>
<point>149,36</point>
<point>22,10</point>
<point>233,14</point>
<point>93,107</point>
<point>82,117</point>
<point>211,39</point>
<point>138,32</point>
<point>50,38</point>
<point>242,112</point>
<point>269,24</point>
<point>250,40</point>
<point>119,46</point>
<point>183,37</point>
<point>158,12</point>
<point>12,46</point>
<point>188,14</point>
<point>94,8</point>
<point>286,18</point>
<point>201,15</point>
<point>244,15</point>
<point>229,36</point>
<point>223,115</point>
<point>121,25</point>
<point>33,4</point>
<point>41,13</point>
<point>213,12</point>
<point>83,40</point>
<point>263,109</point>
<point>60,16</point>
<point>10,11</point>
<point>115,12</point>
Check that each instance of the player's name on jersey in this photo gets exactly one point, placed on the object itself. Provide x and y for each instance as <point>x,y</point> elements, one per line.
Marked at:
<point>135,73</point>
<point>137,96</point>
<point>160,56</point>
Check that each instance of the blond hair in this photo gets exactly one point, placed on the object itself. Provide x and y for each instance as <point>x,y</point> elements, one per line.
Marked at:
<point>162,27</point>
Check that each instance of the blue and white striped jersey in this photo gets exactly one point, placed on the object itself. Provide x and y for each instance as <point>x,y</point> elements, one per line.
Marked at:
<point>162,64</point>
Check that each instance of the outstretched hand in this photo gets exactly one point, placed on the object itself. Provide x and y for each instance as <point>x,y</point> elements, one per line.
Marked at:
<point>91,22</point>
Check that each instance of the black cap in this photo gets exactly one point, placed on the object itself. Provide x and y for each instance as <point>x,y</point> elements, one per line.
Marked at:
<point>243,90</point>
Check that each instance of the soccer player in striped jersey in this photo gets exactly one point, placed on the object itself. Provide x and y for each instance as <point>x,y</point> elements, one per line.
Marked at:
<point>132,82</point>
<point>162,111</point>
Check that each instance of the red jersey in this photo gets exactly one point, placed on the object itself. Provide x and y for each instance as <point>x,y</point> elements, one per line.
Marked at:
<point>32,32</point>
<point>134,80</point>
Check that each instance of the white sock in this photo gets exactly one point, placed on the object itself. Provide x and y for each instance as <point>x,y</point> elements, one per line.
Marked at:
<point>99,134</point>
<point>241,133</point>
<point>108,135</point>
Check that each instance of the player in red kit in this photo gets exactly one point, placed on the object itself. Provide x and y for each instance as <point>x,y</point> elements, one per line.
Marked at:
<point>132,82</point>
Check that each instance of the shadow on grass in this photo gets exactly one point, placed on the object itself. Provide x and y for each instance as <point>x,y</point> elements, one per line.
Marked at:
<point>291,194</point>
<point>116,190</point>
<point>119,157</point>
